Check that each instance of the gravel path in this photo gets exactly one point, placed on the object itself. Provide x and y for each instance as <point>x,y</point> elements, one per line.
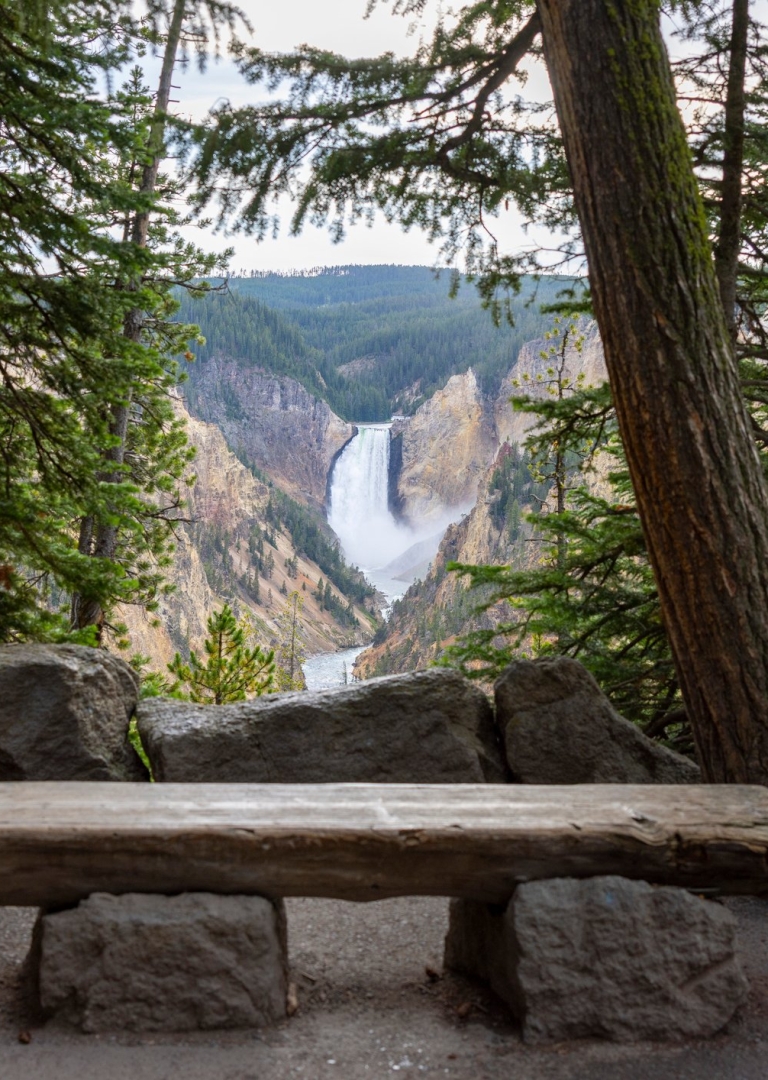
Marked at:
<point>369,1009</point>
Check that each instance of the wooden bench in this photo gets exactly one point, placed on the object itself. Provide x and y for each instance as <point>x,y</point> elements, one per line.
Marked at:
<point>60,842</point>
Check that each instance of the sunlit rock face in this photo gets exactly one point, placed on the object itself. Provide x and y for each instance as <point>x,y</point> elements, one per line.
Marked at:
<point>446,448</point>
<point>528,375</point>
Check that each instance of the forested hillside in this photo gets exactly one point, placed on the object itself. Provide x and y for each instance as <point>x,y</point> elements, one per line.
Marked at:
<point>370,340</point>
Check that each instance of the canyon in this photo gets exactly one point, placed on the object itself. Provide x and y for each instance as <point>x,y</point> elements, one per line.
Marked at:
<point>213,564</point>
<point>258,434</point>
<point>439,607</point>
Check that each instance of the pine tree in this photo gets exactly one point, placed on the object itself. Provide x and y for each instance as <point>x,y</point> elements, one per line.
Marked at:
<point>290,651</point>
<point>56,378</point>
<point>232,671</point>
<point>135,536</point>
<point>66,364</point>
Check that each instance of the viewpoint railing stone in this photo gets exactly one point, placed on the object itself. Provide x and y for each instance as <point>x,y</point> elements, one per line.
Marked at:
<point>64,713</point>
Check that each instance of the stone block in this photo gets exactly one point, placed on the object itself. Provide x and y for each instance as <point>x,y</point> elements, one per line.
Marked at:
<point>558,727</point>
<point>603,957</point>
<point>430,727</point>
<point>64,714</point>
<point>145,962</point>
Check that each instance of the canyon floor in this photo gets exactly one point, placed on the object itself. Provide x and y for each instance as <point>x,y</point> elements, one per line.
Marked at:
<point>368,1009</point>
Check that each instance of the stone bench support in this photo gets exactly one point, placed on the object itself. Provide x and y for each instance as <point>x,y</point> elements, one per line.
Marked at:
<point>143,962</point>
<point>603,957</point>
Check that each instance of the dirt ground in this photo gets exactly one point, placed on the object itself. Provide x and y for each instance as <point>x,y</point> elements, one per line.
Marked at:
<point>369,1009</point>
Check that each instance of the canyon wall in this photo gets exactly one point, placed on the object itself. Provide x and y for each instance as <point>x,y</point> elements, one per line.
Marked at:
<point>272,422</point>
<point>444,450</point>
<point>446,447</point>
<point>213,565</point>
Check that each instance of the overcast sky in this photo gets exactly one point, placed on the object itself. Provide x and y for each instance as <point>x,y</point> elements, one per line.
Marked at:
<point>338,25</point>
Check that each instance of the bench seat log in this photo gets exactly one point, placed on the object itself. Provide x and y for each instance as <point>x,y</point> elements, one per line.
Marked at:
<point>59,842</point>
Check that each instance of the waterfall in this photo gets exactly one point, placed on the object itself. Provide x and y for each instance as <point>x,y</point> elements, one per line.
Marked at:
<point>359,511</point>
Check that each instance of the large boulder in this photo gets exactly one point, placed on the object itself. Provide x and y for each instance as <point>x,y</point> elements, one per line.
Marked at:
<point>604,957</point>
<point>64,714</point>
<point>429,727</point>
<point>558,727</point>
<point>165,963</point>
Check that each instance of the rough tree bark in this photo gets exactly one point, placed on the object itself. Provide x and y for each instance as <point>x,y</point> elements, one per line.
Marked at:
<point>729,237</point>
<point>696,473</point>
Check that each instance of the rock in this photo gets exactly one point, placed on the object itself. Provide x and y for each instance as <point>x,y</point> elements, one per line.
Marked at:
<point>558,727</point>
<point>446,447</point>
<point>428,727</point>
<point>145,962</point>
<point>604,957</point>
<point>273,421</point>
<point>528,375</point>
<point>64,714</point>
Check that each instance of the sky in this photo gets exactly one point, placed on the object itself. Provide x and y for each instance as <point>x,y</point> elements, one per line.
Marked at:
<point>338,25</point>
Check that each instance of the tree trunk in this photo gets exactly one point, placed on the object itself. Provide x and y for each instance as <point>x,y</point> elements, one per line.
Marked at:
<point>729,235</point>
<point>700,490</point>
<point>88,611</point>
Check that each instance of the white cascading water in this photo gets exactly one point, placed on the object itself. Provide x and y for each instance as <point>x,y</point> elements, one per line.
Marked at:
<point>370,536</point>
<point>359,511</point>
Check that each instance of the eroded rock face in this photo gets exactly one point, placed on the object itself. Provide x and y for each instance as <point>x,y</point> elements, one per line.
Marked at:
<point>64,714</point>
<point>528,375</point>
<point>603,957</point>
<point>275,422</point>
<point>428,727</point>
<point>446,447</point>
<point>160,963</point>
<point>558,727</point>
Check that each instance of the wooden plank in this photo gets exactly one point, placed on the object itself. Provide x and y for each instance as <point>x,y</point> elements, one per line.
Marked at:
<point>61,841</point>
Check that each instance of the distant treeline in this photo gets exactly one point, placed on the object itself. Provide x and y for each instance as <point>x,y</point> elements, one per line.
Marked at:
<point>399,319</point>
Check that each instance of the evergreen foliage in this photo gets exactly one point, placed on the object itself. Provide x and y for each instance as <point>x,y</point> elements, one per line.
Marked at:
<point>592,597</point>
<point>232,671</point>
<point>70,154</point>
<point>290,651</point>
<point>427,139</point>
